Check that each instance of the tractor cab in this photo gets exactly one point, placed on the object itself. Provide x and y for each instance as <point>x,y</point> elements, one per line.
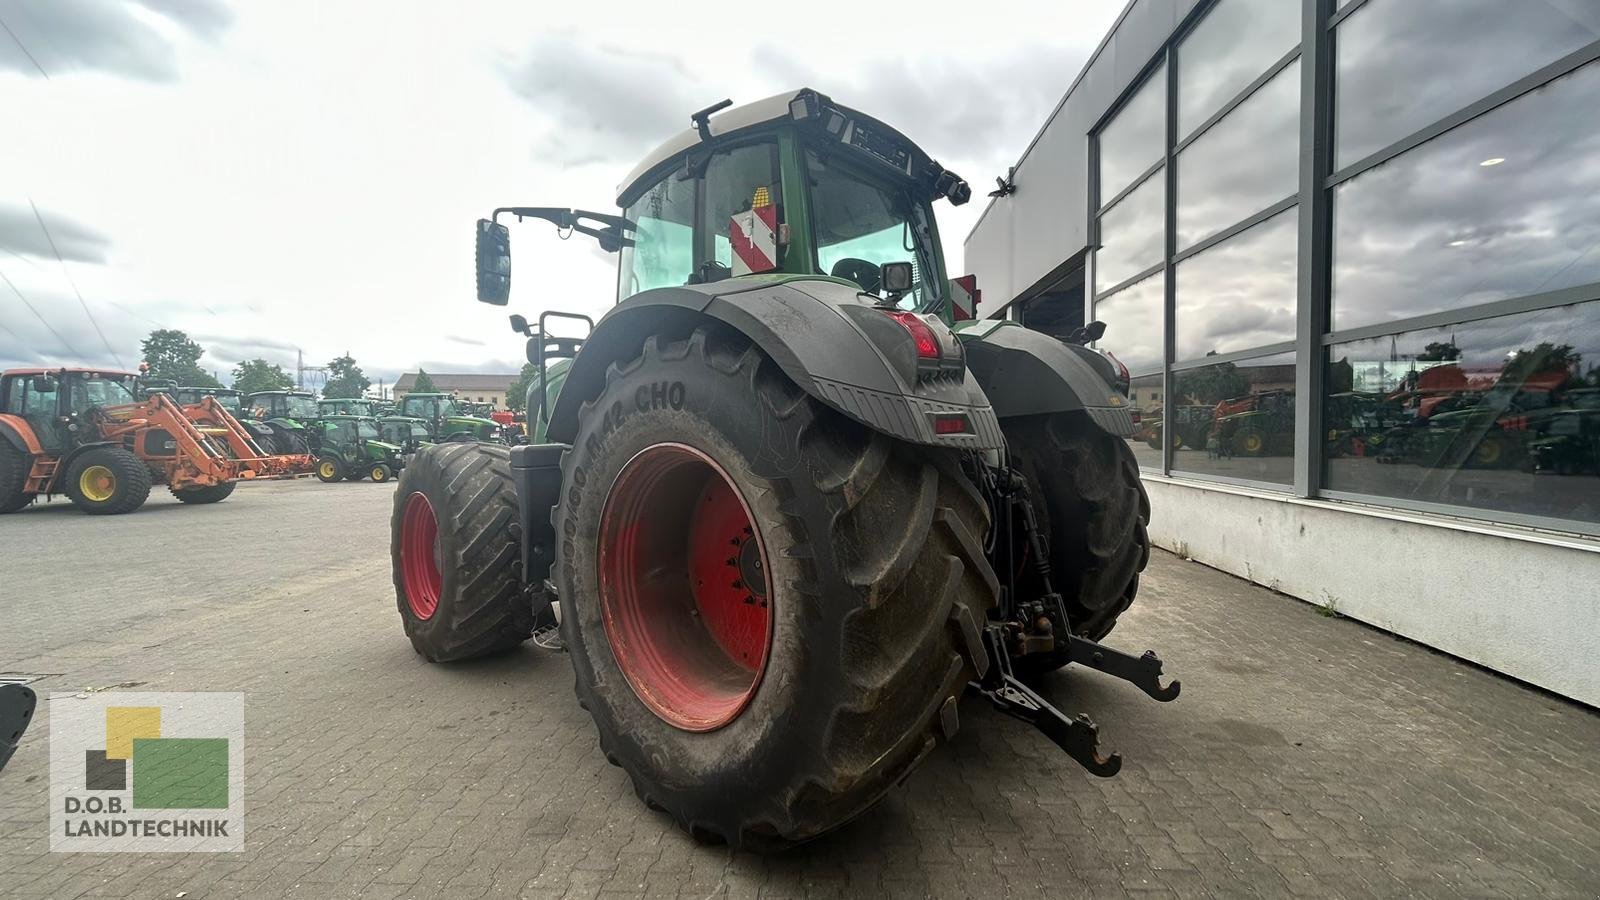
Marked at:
<point>59,404</point>
<point>228,398</point>
<point>448,417</point>
<point>296,406</point>
<point>410,434</point>
<point>345,406</point>
<point>791,186</point>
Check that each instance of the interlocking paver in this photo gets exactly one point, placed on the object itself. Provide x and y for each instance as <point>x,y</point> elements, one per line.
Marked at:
<point>1308,756</point>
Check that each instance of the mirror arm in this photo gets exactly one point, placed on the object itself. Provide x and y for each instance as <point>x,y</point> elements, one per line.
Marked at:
<point>611,237</point>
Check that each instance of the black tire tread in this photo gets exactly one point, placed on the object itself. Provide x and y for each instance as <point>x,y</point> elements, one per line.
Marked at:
<point>1088,479</point>
<point>14,466</point>
<point>215,493</point>
<point>489,613</point>
<point>130,472</point>
<point>907,528</point>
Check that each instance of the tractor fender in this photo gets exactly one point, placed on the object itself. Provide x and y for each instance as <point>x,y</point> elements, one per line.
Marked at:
<point>19,434</point>
<point>1026,372</point>
<point>828,340</point>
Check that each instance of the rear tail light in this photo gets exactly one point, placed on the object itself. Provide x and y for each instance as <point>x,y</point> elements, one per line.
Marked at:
<point>927,342</point>
<point>955,423</point>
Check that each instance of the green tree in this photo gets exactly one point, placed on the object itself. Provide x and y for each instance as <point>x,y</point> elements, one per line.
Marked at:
<point>171,354</point>
<point>345,379</point>
<point>517,393</point>
<point>424,384</point>
<point>1437,351</point>
<point>259,375</point>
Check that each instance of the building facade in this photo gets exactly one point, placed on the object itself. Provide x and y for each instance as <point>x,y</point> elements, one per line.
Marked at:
<point>1349,251</point>
<point>474,386</point>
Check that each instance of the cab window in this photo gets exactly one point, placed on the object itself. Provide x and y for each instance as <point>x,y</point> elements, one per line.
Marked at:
<point>859,225</point>
<point>662,254</point>
<point>735,181</point>
<point>27,400</point>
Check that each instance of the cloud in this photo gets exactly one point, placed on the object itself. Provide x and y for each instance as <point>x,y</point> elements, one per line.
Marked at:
<point>610,105</point>
<point>471,342</point>
<point>20,233</point>
<point>47,39</point>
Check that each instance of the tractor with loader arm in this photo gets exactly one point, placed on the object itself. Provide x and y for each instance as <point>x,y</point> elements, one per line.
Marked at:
<point>792,500</point>
<point>190,398</point>
<point>86,433</point>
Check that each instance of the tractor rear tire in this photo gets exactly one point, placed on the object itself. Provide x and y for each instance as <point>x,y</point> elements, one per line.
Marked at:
<point>121,484</point>
<point>456,555</point>
<point>215,493</point>
<point>292,444</point>
<point>762,722</point>
<point>14,467</point>
<point>1092,512</point>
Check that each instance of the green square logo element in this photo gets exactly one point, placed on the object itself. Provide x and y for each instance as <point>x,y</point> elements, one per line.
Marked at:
<point>180,773</point>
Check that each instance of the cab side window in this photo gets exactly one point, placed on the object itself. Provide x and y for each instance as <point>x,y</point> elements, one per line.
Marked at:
<point>737,181</point>
<point>662,254</point>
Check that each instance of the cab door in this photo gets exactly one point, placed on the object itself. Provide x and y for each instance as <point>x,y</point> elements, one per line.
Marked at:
<point>37,399</point>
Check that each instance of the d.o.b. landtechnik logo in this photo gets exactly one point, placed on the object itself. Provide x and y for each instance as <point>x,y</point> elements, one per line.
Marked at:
<point>147,772</point>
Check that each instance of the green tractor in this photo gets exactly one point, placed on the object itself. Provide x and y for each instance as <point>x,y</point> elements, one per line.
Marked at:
<point>346,406</point>
<point>407,433</point>
<point>288,414</point>
<point>448,418</point>
<point>350,448</point>
<point>792,501</point>
<point>232,401</point>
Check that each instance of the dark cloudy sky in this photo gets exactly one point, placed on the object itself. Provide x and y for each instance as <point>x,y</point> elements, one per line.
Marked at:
<point>304,175</point>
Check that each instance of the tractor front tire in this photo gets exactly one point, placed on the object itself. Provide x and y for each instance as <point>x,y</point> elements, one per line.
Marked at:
<point>14,466</point>
<point>1092,512</point>
<point>455,553</point>
<point>215,493</point>
<point>379,472</point>
<point>108,481</point>
<point>329,469</point>
<point>771,610</point>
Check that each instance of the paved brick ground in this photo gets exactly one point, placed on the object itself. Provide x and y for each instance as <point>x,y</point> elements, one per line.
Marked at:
<point>1307,755</point>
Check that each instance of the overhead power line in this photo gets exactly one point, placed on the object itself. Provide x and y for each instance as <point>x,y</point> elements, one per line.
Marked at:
<point>68,275</point>
<point>23,47</point>
<point>42,320</point>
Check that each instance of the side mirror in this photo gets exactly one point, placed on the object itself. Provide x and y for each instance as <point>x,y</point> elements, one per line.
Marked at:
<point>494,263</point>
<point>43,385</point>
<point>519,324</point>
<point>896,277</point>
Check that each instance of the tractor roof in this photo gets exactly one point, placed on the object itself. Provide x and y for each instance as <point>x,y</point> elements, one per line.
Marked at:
<point>272,392</point>
<point>795,105</point>
<point>208,390</point>
<point>68,370</point>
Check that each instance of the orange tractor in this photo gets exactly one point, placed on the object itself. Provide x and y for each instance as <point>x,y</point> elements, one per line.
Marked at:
<point>85,433</point>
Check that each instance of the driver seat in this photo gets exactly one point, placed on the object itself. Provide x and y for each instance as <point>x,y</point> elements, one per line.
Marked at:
<point>860,271</point>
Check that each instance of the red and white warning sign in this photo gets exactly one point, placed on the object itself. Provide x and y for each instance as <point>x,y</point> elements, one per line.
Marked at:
<point>754,235</point>
<point>964,296</point>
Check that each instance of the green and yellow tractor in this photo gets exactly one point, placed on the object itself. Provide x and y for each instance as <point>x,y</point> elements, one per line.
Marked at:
<point>346,406</point>
<point>792,500</point>
<point>288,414</point>
<point>448,418</point>
<point>351,448</point>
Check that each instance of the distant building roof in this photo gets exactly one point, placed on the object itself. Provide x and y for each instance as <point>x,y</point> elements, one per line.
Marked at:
<point>466,381</point>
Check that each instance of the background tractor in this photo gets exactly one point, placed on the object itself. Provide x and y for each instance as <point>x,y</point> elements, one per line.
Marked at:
<point>792,501</point>
<point>346,406</point>
<point>405,432</point>
<point>84,433</point>
<point>448,418</point>
<point>288,414</point>
<point>190,398</point>
<point>350,448</point>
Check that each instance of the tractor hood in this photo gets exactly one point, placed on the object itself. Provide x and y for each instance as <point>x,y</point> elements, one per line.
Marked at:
<point>385,446</point>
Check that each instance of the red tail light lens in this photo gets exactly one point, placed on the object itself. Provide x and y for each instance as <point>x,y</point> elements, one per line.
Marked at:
<point>927,341</point>
<point>951,424</point>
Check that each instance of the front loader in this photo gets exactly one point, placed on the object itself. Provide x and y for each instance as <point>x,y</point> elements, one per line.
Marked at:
<point>86,433</point>
<point>792,500</point>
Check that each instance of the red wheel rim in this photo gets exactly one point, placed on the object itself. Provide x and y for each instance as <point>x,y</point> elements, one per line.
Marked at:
<point>419,564</point>
<point>683,587</point>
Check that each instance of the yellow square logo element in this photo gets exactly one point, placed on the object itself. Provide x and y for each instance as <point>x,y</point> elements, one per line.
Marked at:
<point>125,723</point>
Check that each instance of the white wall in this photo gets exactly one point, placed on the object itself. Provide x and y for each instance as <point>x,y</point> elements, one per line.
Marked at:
<point>1519,602</point>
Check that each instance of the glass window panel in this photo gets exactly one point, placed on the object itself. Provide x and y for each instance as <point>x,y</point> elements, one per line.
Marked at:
<point>1406,63</point>
<point>1505,205</point>
<point>1231,47</point>
<point>1241,293</point>
<point>1244,163</point>
<point>1136,138</point>
<point>1134,324</point>
<point>1132,234</point>
<point>1500,415</point>
<point>1236,419</point>
<point>663,250</point>
<point>1145,396</point>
